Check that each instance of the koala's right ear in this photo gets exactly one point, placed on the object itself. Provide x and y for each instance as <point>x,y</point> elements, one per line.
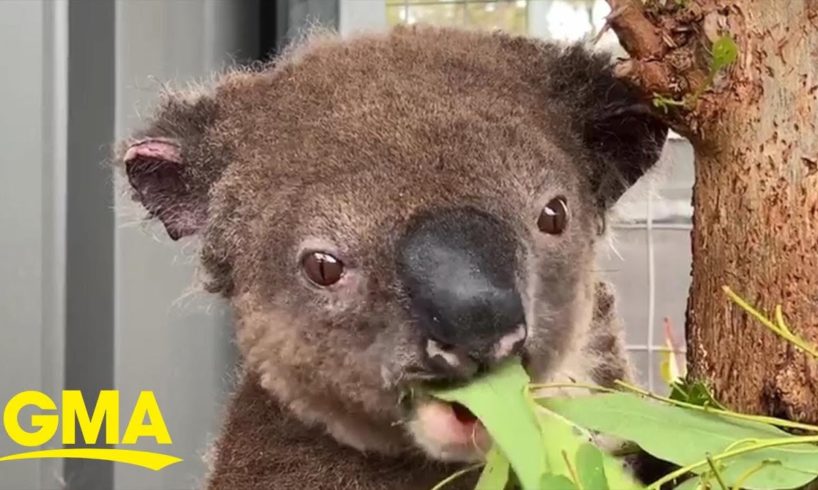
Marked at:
<point>171,165</point>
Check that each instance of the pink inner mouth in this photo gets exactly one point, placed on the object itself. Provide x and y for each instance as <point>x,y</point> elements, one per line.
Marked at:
<point>451,427</point>
<point>463,414</point>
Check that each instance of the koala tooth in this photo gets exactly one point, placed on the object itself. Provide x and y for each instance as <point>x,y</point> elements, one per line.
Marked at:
<point>435,349</point>
<point>509,342</point>
<point>452,362</point>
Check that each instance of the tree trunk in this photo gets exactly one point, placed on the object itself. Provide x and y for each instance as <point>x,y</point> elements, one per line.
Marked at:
<point>755,223</point>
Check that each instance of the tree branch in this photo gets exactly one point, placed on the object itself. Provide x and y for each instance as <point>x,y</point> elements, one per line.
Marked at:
<point>668,54</point>
<point>653,77</point>
<point>636,33</point>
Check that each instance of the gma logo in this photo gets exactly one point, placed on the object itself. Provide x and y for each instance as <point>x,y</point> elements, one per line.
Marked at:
<point>146,421</point>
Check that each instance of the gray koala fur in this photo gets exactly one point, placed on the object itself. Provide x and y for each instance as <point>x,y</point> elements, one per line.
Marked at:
<point>336,146</point>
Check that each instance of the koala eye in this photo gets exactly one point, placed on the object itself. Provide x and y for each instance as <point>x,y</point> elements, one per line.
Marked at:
<point>321,268</point>
<point>554,216</point>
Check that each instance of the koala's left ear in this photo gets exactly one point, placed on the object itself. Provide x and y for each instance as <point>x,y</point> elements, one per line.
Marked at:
<point>618,128</point>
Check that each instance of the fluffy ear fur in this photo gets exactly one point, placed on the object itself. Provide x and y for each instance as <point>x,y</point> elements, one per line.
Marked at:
<point>171,167</point>
<point>623,136</point>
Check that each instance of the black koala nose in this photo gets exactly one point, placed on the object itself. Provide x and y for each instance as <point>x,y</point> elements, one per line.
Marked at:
<point>458,269</point>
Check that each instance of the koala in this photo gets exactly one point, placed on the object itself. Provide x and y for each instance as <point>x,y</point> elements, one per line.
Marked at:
<point>390,212</point>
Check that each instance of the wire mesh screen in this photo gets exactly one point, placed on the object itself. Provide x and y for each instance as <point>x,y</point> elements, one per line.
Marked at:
<point>648,259</point>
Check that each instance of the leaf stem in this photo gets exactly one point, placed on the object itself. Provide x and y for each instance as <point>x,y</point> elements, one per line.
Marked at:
<point>727,413</point>
<point>781,329</point>
<point>716,473</point>
<point>537,386</point>
<point>750,472</point>
<point>735,444</point>
<point>573,473</point>
<point>454,476</point>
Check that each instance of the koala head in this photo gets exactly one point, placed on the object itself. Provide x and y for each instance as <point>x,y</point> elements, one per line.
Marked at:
<point>397,210</point>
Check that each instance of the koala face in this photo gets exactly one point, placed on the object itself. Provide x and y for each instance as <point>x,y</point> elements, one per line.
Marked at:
<point>399,210</point>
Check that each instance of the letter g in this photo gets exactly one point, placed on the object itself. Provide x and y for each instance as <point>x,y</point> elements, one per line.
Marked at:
<point>46,424</point>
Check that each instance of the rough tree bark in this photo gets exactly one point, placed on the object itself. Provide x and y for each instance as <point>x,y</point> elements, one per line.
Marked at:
<point>755,224</point>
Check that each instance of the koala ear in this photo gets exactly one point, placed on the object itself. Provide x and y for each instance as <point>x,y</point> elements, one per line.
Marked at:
<point>626,140</point>
<point>156,173</point>
<point>171,165</point>
<point>618,128</point>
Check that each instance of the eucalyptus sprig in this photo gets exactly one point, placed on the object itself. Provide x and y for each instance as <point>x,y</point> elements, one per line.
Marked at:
<point>779,326</point>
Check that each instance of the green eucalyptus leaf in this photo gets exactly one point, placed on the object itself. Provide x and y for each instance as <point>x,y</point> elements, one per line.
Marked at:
<point>695,393</point>
<point>590,468</point>
<point>697,483</point>
<point>686,436</point>
<point>501,401</point>
<point>531,439</point>
<point>725,52</point>
<point>566,445</point>
<point>556,482</point>
<point>495,473</point>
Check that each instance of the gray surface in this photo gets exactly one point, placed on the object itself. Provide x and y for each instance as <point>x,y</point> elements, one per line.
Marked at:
<point>89,245</point>
<point>357,15</point>
<point>624,260</point>
<point>170,340</point>
<point>180,349</point>
<point>630,278</point>
<point>31,182</point>
<point>300,13</point>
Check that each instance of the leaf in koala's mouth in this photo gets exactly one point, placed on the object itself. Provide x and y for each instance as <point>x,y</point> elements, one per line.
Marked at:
<point>542,448</point>
<point>501,401</point>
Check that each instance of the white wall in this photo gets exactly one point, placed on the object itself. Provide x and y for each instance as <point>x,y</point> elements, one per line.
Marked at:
<point>32,181</point>
<point>168,339</point>
<point>86,301</point>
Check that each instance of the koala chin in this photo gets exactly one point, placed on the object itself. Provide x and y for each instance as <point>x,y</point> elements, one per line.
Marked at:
<point>390,212</point>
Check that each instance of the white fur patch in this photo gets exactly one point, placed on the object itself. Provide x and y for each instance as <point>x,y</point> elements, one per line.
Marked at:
<point>505,345</point>
<point>433,348</point>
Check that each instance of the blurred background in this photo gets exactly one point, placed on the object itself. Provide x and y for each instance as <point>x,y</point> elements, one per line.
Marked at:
<point>92,298</point>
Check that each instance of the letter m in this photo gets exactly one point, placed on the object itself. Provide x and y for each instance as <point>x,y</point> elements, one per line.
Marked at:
<point>75,412</point>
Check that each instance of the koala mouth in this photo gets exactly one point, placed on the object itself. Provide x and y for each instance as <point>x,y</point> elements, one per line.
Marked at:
<point>448,431</point>
<point>463,414</point>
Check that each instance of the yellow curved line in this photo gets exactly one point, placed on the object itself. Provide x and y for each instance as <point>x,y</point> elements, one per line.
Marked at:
<point>145,459</point>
